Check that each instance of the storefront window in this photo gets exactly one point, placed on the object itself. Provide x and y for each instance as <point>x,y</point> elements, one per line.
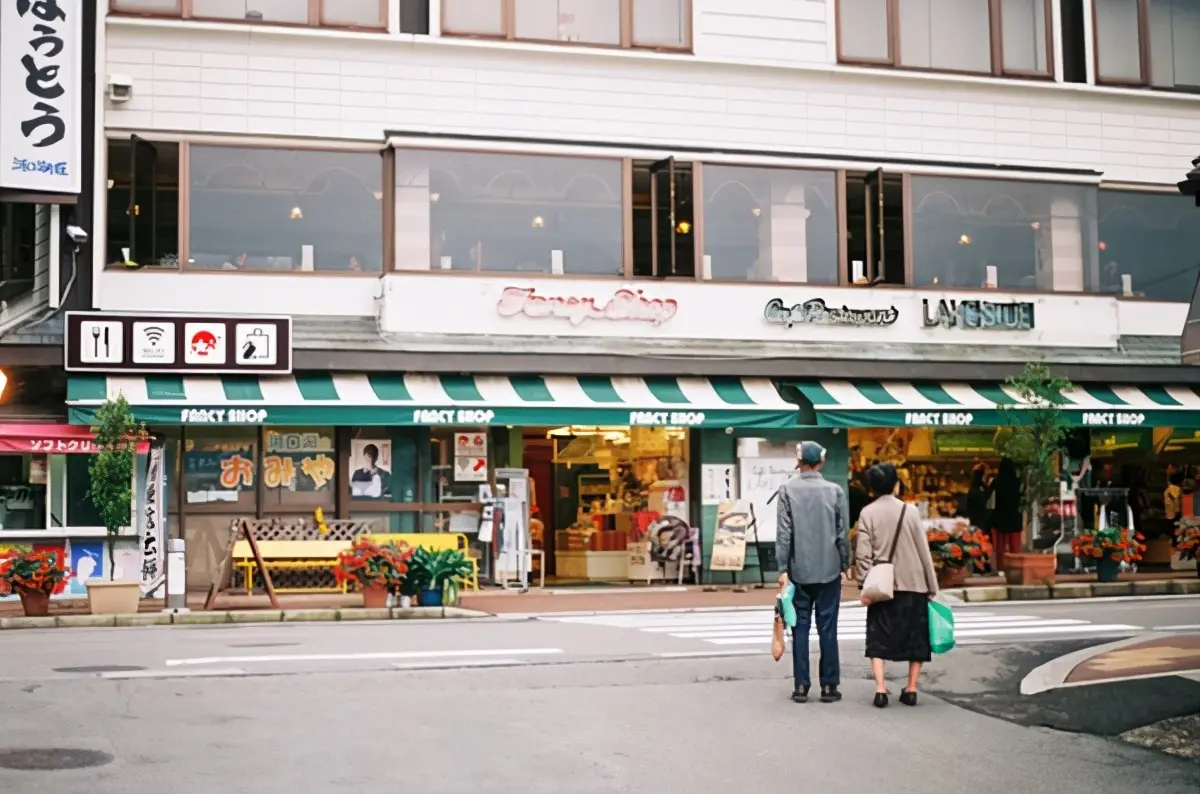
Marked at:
<point>219,468</point>
<point>501,213</point>
<point>80,510</point>
<point>770,224</point>
<point>23,492</point>
<point>976,233</point>
<point>292,210</point>
<point>300,468</point>
<point>1154,239</point>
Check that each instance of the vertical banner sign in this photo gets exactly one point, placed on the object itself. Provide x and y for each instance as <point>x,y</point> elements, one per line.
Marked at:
<point>151,524</point>
<point>41,63</point>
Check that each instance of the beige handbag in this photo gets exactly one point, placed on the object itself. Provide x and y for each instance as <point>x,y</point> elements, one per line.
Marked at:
<point>880,583</point>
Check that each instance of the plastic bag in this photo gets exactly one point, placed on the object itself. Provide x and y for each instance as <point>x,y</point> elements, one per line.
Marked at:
<point>786,605</point>
<point>941,627</point>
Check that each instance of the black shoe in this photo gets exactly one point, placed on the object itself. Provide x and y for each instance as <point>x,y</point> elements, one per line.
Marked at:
<point>881,700</point>
<point>908,698</point>
<point>830,694</point>
<point>800,695</point>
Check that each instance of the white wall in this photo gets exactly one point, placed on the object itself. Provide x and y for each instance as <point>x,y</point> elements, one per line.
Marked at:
<point>237,293</point>
<point>777,32</point>
<point>208,78</point>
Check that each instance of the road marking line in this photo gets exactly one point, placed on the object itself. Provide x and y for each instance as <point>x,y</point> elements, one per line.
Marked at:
<point>451,664</point>
<point>959,629</point>
<point>345,657</point>
<point>705,654</point>
<point>1052,630</point>
<point>1017,620</point>
<point>1195,627</point>
<point>206,673</point>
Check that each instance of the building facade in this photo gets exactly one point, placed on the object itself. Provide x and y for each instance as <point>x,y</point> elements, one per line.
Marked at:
<point>634,247</point>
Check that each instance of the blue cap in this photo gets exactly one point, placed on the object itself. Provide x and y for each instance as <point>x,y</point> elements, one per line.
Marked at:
<point>810,453</point>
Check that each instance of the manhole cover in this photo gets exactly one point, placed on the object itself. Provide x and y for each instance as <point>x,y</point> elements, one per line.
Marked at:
<point>50,759</point>
<point>263,644</point>
<point>100,668</point>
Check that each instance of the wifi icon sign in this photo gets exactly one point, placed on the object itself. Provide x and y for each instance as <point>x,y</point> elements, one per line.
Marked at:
<point>154,343</point>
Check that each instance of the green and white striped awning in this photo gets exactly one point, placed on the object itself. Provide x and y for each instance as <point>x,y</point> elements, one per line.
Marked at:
<point>390,399</point>
<point>840,403</point>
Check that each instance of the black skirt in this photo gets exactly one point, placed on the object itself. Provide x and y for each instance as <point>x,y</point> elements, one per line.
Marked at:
<point>898,630</point>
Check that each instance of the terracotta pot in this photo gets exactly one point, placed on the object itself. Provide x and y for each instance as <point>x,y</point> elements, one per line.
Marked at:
<point>1021,569</point>
<point>1158,552</point>
<point>113,598</point>
<point>35,603</point>
<point>375,596</point>
<point>951,577</point>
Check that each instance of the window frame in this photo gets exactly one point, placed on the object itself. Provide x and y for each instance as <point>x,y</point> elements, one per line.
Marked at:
<point>1144,78</point>
<point>995,39</point>
<point>316,16</point>
<point>387,178</point>
<point>508,23</point>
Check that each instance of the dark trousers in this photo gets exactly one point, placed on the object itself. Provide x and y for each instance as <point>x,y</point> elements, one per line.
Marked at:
<point>824,599</point>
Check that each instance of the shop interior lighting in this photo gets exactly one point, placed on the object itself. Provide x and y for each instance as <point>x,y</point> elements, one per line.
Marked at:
<point>964,239</point>
<point>296,213</point>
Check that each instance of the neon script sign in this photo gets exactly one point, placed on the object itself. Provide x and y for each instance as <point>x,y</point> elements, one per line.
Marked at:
<point>624,305</point>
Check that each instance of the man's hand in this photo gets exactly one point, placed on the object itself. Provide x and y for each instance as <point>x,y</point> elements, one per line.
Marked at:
<point>783,579</point>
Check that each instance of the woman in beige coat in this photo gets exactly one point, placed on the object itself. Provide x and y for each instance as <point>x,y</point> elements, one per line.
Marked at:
<point>897,630</point>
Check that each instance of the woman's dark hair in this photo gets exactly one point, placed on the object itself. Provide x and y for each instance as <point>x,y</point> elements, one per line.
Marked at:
<point>1007,471</point>
<point>881,479</point>
<point>977,478</point>
<point>1176,477</point>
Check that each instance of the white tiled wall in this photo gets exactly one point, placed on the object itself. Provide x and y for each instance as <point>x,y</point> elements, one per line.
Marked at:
<point>191,77</point>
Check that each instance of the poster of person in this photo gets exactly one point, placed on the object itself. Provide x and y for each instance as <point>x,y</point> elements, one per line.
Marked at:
<point>729,540</point>
<point>371,469</point>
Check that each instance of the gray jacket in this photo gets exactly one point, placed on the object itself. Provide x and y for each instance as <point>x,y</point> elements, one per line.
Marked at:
<point>812,539</point>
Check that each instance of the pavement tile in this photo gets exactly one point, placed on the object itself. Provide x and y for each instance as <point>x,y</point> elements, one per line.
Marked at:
<point>199,618</point>
<point>365,614</point>
<point>255,616</point>
<point>141,619</point>
<point>1161,655</point>
<point>309,615</point>
<point>1185,586</point>
<point>1161,587</point>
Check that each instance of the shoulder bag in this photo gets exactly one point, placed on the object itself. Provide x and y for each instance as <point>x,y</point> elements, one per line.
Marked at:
<point>880,583</point>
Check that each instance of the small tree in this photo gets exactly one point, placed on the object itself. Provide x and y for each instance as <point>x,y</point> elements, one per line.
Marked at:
<point>1033,435</point>
<point>111,470</point>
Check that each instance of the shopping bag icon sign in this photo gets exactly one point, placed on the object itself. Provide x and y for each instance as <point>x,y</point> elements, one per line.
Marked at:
<point>257,346</point>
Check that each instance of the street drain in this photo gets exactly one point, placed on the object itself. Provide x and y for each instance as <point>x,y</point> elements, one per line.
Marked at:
<point>52,759</point>
<point>263,644</point>
<point>101,668</point>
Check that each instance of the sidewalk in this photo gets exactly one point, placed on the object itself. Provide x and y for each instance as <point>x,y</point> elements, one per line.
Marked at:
<point>1170,655</point>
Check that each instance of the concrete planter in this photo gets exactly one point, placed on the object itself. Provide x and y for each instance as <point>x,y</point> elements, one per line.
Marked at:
<point>1029,569</point>
<point>113,598</point>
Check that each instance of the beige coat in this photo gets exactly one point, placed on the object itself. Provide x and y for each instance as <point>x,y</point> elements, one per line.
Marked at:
<point>913,563</point>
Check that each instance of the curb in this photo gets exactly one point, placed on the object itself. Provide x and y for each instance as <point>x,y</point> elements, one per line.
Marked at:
<point>243,617</point>
<point>1053,674</point>
<point>1074,591</point>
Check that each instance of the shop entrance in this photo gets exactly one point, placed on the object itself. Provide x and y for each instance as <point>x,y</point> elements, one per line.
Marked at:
<point>599,490</point>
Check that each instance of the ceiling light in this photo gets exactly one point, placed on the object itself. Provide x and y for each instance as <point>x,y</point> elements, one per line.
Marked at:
<point>964,239</point>
<point>538,222</point>
<point>296,213</point>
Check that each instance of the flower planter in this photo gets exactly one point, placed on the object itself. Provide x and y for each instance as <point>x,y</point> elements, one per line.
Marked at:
<point>1158,551</point>
<point>430,598</point>
<point>951,577</point>
<point>1107,569</point>
<point>1023,569</point>
<point>35,603</point>
<point>375,596</point>
<point>113,598</point>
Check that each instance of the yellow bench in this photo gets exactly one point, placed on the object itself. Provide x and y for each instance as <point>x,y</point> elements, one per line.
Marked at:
<point>434,541</point>
<point>290,555</point>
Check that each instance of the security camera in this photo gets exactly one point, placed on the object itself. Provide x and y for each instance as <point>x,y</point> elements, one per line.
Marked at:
<point>120,88</point>
<point>77,235</point>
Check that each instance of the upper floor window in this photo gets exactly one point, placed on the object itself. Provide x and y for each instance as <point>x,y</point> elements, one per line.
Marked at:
<point>508,213</point>
<point>1148,42</point>
<point>1148,244</point>
<point>1008,38</point>
<point>646,24</point>
<point>770,224</point>
<point>970,233</point>
<point>328,13</point>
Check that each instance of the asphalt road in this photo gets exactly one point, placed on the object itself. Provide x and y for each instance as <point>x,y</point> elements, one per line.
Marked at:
<point>344,647</point>
<point>651,727</point>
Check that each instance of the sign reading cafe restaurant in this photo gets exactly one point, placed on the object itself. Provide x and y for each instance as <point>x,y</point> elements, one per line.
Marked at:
<point>816,312</point>
<point>41,61</point>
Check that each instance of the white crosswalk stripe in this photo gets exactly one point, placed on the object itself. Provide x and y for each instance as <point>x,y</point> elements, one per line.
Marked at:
<point>753,627</point>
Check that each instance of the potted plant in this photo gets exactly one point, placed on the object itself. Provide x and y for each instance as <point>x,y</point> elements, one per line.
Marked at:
<point>111,472</point>
<point>34,576</point>
<point>1032,438</point>
<point>1109,548</point>
<point>1187,540</point>
<point>377,570</point>
<point>435,573</point>
<point>958,553</point>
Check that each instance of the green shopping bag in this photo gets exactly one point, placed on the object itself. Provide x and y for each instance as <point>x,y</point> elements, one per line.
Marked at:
<point>941,627</point>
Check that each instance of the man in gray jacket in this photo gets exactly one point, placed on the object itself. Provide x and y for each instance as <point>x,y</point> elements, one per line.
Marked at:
<point>813,548</point>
